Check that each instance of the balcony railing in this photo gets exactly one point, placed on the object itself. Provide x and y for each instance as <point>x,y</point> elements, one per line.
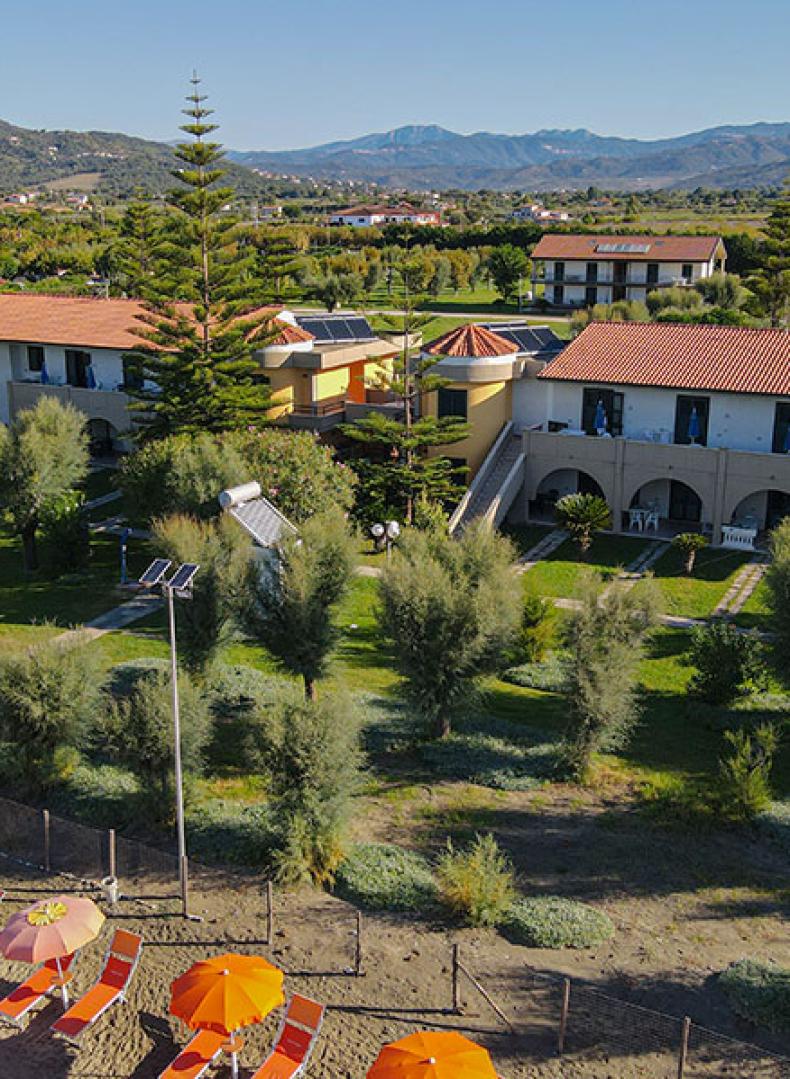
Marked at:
<point>578,279</point>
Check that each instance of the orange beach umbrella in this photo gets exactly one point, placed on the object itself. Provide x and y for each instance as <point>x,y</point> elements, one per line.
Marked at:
<point>433,1055</point>
<point>226,993</point>
<point>51,929</point>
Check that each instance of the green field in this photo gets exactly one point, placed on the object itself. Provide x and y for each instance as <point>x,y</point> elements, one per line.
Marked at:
<point>697,596</point>
<point>558,574</point>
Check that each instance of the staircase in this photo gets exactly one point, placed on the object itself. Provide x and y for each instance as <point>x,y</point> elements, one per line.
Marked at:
<point>495,486</point>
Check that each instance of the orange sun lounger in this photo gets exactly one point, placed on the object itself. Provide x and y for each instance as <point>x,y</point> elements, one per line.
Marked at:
<point>296,1039</point>
<point>25,997</point>
<point>120,964</point>
<point>197,1057</point>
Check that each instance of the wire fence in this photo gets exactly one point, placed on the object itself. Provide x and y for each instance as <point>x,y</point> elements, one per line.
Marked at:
<point>548,1015</point>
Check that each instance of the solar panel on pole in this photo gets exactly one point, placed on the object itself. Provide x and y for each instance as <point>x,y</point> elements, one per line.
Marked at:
<point>155,572</point>
<point>183,577</point>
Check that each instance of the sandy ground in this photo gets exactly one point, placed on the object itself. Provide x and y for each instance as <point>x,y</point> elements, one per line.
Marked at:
<point>406,986</point>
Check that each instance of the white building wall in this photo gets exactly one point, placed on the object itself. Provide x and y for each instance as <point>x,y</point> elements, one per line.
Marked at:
<point>736,421</point>
<point>107,368</point>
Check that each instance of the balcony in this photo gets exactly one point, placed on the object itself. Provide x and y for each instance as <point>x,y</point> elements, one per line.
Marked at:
<point>630,282</point>
<point>324,415</point>
<point>108,405</point>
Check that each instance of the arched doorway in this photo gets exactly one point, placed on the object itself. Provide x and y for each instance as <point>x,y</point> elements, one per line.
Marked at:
<point>557,484</point>
<point>101,435</point>
<point>678,505</point>
<point>762,510</point>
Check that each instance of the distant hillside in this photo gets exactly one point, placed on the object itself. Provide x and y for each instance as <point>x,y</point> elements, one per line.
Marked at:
<point>123,164</point>
<point>419,157</point>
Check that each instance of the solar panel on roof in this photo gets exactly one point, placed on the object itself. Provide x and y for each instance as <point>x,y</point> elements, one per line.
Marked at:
<point>317,327</point>
<point>622,249</point>
<point>360,327</point>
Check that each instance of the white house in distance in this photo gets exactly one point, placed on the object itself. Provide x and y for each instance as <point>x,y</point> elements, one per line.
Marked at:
<point>580,271</point>
<point>369,216</point>
<point>539,213</point>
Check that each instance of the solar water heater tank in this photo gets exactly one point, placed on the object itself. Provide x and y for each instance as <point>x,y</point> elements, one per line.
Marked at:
<point>235,496</point>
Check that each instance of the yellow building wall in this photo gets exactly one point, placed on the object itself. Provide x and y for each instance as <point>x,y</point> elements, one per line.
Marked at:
<point>330,383</point>
<point>282,384</point>
<point>489,406</point>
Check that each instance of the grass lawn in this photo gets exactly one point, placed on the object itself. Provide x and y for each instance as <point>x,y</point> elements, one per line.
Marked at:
<point>526,536</point>
<point>697,596</point>
<point>755,612</point>
<point>558,575</point>
<point>69,600</point>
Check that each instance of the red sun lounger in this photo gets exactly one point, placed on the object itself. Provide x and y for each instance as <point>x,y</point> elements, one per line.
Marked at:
<point>120,964</point>
<point>195,1060</point>
<point>24,998</point>
<point>296,1040</point>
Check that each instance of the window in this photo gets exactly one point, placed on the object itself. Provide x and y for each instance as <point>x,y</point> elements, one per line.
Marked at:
<point>592,271</point>
<point>559,294</point>
<point>684,412</point>
<point>77,363</point>
<point>35,357</point>
<point>452,403</point>
<point>132,374</point>
<point>591,295</point>
<point>652,273</point>
<point>612,405</point>
<point>559,271</point>
<point>687,271</point>
<point>781,441</point>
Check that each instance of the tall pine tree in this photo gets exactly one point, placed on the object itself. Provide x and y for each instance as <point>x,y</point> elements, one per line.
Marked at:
<point>202,320</point>
<point>770,284</point>
<point>394,485</point>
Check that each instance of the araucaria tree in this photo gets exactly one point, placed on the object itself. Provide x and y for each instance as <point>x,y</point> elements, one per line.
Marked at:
<point>291,607</point>
<point>402,471</point>
<point>605,637</point>
<point>43,456</point>
<point>451,610</point>
<point>201,321</point>
<point>770,284</point>
<point>777,578</point>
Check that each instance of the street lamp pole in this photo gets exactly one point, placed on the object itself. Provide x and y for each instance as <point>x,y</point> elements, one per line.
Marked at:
<point>181,831</point>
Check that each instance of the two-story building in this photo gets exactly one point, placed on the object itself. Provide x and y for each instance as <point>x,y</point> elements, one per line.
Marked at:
<point>581,271</point>
<point>75,348</point>
<point>690,423</point>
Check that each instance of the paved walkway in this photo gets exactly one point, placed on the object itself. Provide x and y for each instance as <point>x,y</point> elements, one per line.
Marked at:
<point>541,550</point>
<point>118,618</point>
<point>741,588</point>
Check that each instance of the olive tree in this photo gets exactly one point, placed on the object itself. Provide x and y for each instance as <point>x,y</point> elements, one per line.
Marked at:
<point>451,611</point>
<point>43,456</point>
<point>291,608</point>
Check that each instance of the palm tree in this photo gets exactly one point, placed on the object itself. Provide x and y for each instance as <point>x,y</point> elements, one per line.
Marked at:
<point>583,515</point>
<point>688,543</point>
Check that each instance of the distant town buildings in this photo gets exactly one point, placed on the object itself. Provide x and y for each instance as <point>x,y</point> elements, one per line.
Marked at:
<point>581,271</point>
<point>369,216</point>
<point>539,213</point>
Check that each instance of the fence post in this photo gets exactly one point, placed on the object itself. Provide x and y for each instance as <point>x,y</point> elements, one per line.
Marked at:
<point>269,914</point>
<point>184,880</point>
<point>47,846</point>
<point>566,1006</point>
<point>456,984</point>
<point>358,971</point>
<point>684,1047</point>
<point>111,860</point>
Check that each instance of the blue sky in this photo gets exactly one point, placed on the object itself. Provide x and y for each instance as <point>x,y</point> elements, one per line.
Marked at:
<point>299,72</point>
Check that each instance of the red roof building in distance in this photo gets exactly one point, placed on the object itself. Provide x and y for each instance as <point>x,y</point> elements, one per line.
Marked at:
<point>470,340</point>
<point>581,271</point>
<point>368,216</point>
<point>723,359</point>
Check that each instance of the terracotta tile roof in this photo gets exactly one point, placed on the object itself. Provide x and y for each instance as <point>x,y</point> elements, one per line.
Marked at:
<point>726,359</point>
<point>659,248</point>
<point>390,211</point>
<point>290,334</point>
<point>82,321</point>
<point>470,340</point>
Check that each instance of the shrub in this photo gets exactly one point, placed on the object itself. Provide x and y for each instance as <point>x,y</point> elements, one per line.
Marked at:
<point>744,776</point>
<point>582,516</point>
<point>476,884</point>
<point>550,674</point>
<point>48,695</point>
<point>310,753</point>
<point>777,578</point>
<point>138,732</point>
<point>492,762</point>
<point>552,922</point>
<point>728,664</point>
<point>689,543</point>
<point>66,535</point>
<point>759,992</point>
<point>536,632</point>
<point>381,876</point>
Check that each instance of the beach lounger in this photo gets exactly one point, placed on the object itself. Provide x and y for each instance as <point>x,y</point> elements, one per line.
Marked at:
<point>120,964</point>
<point>296,1039</point>
<point>42,981</point>
<point>195,1060</point>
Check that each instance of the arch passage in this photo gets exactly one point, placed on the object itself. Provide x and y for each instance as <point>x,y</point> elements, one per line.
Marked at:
<point>102,435</point>
<point>675,501</point>
<point>761,509</point>
<point>559,482</point>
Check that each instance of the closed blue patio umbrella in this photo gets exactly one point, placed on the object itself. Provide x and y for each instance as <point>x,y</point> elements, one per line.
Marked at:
<point>787,439</point>
<point>600,422</point>
<point>44,374</point>
<point>694,425</point>
<point>90,378</point>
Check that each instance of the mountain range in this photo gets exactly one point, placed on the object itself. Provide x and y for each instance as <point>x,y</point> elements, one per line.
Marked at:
<point>418,157</point>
